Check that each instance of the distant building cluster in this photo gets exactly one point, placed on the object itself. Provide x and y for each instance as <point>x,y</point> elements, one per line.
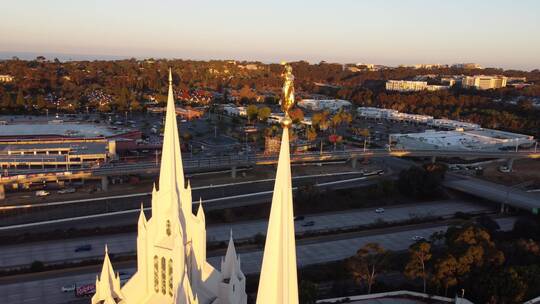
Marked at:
<point>482,82</point>
<point>6,78</point>
<point>467,66</point>
<point>390,114</point>
<point>332,105</point>
<point>412,86</point>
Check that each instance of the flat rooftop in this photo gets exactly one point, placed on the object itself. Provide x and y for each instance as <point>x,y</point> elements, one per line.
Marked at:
<point>70,129</point>
<point>74,148</point>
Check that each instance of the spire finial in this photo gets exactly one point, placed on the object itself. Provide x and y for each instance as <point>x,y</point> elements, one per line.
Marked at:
<point>170,76</point>
<point>106,249</point>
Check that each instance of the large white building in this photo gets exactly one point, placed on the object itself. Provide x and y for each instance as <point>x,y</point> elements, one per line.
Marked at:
<point>412,86</point>
<point>171,245</point>
<point>332,105</point>
<point>482,82</point>
<point>455,140</point>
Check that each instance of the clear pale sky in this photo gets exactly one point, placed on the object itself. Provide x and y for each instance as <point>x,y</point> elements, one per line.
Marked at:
<point>499,33</point>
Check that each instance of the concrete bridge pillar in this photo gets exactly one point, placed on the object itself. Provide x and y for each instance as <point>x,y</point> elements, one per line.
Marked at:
<point>233,171</point>
<point>510,164</point>
<point>354,162</point>
<point>503,208</point>
<point>2,192</point>
<point>433,159</point>
<point>104,183</point>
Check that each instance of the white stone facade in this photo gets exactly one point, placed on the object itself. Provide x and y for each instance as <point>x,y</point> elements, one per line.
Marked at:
<point>171,246</point>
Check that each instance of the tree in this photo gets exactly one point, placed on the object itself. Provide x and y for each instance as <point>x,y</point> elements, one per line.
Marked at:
<point>419,255</point>
<point>135,105</point>
<point>311,134</point>
<point>445,272</point>
<point>320,120</point>
<point>367,263</point>
<point>263,113</point>
<point>7,102</point>
<point>252,111</point>
<point>20,103</point>
<point>41,103</point>
<point>297,115</point>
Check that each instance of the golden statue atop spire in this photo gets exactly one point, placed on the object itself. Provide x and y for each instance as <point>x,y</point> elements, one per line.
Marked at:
<point>288,94</point>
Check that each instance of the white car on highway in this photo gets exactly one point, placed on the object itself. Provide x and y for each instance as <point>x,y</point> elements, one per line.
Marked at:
<point>379,210</point>
<point>68,288</point>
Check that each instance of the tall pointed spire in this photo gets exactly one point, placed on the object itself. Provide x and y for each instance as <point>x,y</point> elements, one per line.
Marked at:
<point>171,177</point>
<point>107,285</point>
<point>278,282</point>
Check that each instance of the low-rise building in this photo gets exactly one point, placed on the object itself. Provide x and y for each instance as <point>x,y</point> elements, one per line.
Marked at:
<point>332,105</point>
<point>412,86</point>
<point>450,124</point>
<point>479,139</point>
<point>406,85</point>
<point>6,78</point>
<point>482,82</point>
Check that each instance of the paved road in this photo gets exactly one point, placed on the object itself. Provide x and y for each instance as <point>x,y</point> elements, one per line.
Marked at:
<point>45,291</point>
<point>62,250</point>
<point>214,197</point>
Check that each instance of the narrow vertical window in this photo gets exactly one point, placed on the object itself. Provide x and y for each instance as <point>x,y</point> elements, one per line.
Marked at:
<point>170,270</point>
<point>163,275</point>
<point>168,227</point>
<point>156,273</point>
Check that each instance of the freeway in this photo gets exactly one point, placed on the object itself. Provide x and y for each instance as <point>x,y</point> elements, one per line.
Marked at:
<point>215,197</point>
<point>64,250</point>
<point>45,290</point>
<point>214,163</point>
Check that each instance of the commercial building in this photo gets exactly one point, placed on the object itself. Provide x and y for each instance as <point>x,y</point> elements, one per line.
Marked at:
<point>41,145</point>
<point>6,78</point>
<point>389,114</point>
<point>412,86</point>
<point>482,82</point>
<point>332,105</point>
<point>449,124</point>
<point>480,139</point>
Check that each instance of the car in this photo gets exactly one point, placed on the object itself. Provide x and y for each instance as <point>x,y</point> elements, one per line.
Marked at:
<point>299,218</point>
<point>66,191</point>
<point>308,224</point>
<point>379,210</point>
<point>417,238</point>
<point>86,247</point>
<point>68,288</point>
<point>42,193</point>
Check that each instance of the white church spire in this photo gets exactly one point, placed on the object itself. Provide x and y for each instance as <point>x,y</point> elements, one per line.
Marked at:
<point>107,285</point>
<point>278,282</point>
<point>171,170</point>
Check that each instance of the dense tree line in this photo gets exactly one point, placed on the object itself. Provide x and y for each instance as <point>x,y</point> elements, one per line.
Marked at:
<point>474,258</point>
<point>128,83</point>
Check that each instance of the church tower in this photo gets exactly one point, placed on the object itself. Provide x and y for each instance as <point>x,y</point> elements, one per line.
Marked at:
<point>171,245</point>
<point>278,282</point>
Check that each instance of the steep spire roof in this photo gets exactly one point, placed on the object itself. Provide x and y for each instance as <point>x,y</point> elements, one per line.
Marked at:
<point>171,170</point>
<point>230,266</point>
<point>278,282</point>
<point>107,285</point>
